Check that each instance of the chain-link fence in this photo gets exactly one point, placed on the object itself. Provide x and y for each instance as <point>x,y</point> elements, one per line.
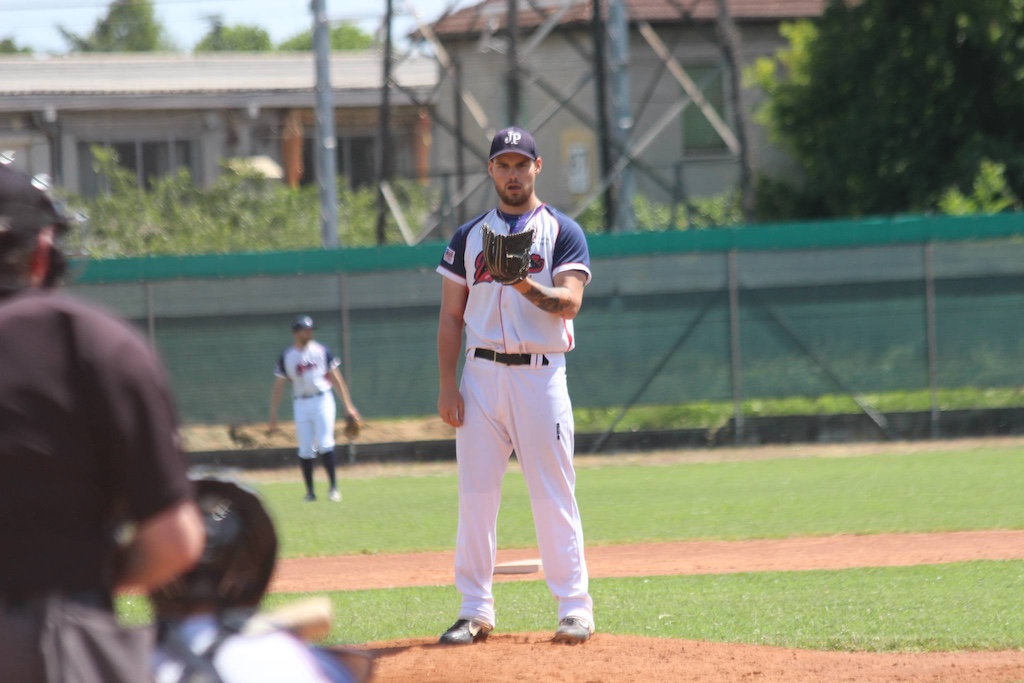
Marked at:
<point>723,315</point>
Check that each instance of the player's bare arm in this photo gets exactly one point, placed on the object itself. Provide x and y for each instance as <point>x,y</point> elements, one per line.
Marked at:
<point>275,401</point>
<point>564,299</point>
<point>450,406</point>
<point>338,382</point>
<point>165,545</point>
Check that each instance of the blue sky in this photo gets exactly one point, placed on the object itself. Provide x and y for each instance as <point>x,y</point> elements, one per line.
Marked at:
<point>32,23</point>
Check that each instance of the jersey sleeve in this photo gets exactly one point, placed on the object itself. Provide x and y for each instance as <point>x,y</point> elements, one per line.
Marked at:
<point>453,262</point>
<point>571,251</point>
<point>279,370</point>
<point>332,360</point>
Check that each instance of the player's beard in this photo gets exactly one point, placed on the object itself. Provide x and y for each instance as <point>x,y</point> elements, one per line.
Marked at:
<point>518,198</point>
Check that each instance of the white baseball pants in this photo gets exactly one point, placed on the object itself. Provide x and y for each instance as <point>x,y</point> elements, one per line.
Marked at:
<point>525,408</point>
<point>314,424</point>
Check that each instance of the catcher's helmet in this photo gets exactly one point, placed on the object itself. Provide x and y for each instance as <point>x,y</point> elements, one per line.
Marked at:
<point>303,322</point>
<point>238,558</point>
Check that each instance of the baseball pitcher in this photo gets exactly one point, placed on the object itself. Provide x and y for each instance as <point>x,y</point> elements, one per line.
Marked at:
<point>513,282</point>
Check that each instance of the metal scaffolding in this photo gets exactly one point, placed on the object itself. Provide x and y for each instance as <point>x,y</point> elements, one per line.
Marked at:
<point>607,47</point>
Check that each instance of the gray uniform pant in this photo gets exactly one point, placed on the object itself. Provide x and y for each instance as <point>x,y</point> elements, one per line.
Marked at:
<point>60,639</point>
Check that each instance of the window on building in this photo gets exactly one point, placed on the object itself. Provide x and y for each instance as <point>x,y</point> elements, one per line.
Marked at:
<point>698,133</point>
<point>361,166</point>
<point>356,159</point>
<point>148,159</point>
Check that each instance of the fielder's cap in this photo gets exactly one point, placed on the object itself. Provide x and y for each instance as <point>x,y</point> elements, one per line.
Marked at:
<point>303,322</point>
<point>25,204</point>
<point>515,140</point>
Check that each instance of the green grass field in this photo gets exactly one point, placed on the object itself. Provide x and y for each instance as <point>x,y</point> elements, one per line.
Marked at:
<point>973,605</point>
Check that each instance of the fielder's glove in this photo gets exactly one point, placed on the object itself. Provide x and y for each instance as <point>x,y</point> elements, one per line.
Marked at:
<point>352,426</point>
<point>507,256</point>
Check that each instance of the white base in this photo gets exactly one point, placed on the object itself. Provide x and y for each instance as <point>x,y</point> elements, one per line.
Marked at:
<point>518,567</point>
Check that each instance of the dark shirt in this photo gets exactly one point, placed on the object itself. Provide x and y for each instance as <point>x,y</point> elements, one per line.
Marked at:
<point>88,436</point>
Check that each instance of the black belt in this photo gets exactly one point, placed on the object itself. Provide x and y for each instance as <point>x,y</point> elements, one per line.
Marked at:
<point>299,398</point>
<point>509,358</point>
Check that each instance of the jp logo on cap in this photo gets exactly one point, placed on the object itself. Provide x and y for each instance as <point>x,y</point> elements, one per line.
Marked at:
<point>513,140</point>
<point>303,322</point>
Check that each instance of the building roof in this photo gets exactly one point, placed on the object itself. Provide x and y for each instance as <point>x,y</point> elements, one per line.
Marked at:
<point>180,80</point>
<point>491,15</point>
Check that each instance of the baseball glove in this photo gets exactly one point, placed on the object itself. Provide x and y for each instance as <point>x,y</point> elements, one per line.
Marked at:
<point>352,426</point>
<point>507,256</point>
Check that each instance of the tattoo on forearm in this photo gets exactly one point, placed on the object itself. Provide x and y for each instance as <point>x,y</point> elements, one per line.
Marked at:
<point>552,300</point>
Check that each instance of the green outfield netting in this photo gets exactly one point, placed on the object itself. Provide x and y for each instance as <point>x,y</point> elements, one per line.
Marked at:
<point>825,314</point>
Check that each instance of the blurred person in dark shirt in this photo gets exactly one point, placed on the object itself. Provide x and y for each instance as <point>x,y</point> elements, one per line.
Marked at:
<point>94,497</point>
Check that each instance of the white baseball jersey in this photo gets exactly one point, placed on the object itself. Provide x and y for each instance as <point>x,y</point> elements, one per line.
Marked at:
<point>505,321</point>
<point>307,368</point>
<point>314,406</point>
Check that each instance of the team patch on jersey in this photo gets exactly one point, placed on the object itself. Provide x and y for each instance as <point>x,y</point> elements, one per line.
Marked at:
<point>449,256</point>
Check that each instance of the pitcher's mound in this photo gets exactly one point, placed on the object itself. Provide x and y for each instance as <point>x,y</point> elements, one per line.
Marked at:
<point>533,657</point>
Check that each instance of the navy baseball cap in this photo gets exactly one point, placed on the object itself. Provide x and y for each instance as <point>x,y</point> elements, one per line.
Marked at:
<point>303,322</point>
<point>24,205</point>
<point>515,140</point>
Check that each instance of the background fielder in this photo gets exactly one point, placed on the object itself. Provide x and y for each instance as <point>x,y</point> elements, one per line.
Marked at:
<point>312,371</point>
<point>513,393</point>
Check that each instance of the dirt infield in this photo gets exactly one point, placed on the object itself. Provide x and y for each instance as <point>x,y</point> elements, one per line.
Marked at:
<point>532,656</point>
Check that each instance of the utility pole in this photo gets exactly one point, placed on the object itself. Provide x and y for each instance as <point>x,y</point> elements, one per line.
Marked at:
<point>732,52</point>
<point>512,77</point>
<point>326,159</point>
<point>618,30</point>
<point>384,134</point>
<point>601,67</point>
<point>460,140</point>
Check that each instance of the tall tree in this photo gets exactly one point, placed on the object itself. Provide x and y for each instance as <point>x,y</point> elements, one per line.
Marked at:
<point>129,26</point>
<point>344,36</point>
<point>888,103</point>
<point>237,38</point>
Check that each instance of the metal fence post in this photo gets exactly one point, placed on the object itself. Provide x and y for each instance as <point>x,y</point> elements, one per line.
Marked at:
<point>346,347</point>
<point>735,361</point>
<point>932,337</point>
<point>150,313</point>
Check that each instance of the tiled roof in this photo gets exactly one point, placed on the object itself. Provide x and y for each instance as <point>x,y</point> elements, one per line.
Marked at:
<point>163,74</point>
<point>492,14</point>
